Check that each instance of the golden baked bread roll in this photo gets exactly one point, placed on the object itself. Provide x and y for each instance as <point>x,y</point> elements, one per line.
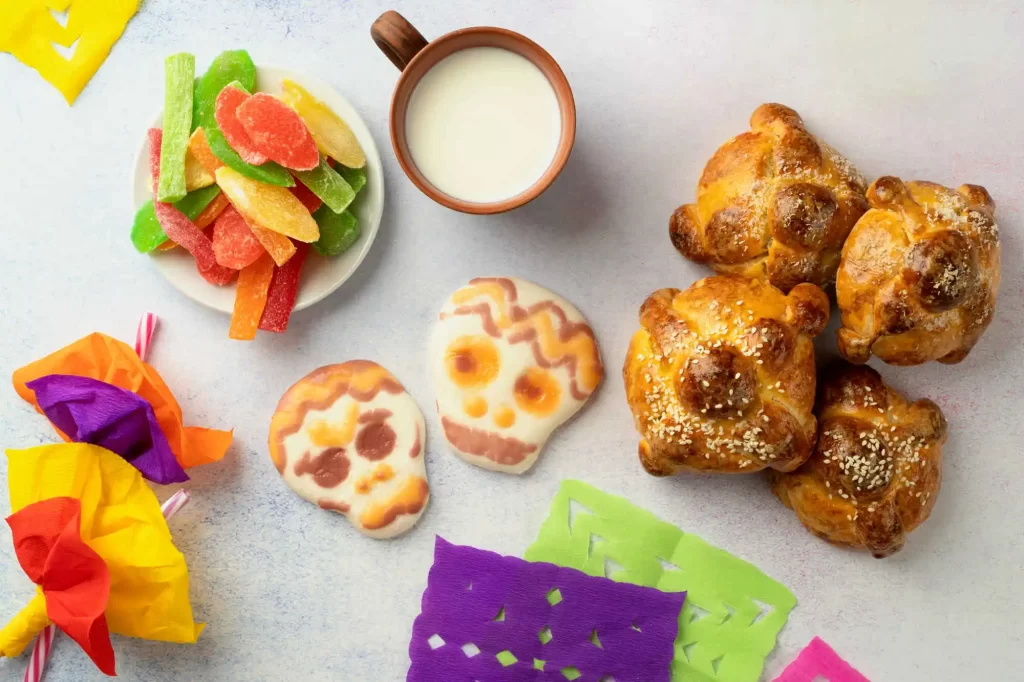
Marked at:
<point>773,203</point>
<point>919,273</point>
<point>875,472</point>
<point>721,377</point>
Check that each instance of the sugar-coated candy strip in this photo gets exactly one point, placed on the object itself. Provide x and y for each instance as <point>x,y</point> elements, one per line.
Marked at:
<point>179,70</point>
<point>156,142</point>
<point>183,231</point>
<point>230,66</point>
<point>278,132</point>
<point>270,172</point>
<point>200,149</point>
<point>269,206</point>
<point>146,231</point>
<point>195,202</point>
<point>177,226</point>
<point>226,114</point>
<point>196,174</point>
<point>338,231</point>
<point>234,244</point>
<point>332,135</point>
<point>311,201</point>
<point>251,298</point>
<point>283,289</point>
<point>280,248</point>
<point>329,185</point>
<point>356,177</point>
<point>212,210</point>
<point>227,67</point>
<point>205,217</point>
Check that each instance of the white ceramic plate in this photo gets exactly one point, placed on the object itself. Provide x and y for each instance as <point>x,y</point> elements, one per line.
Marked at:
<point>320,275</point>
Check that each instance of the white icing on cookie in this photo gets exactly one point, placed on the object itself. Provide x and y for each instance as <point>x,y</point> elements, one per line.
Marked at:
<point>511,361</point>
<point>349,438</point>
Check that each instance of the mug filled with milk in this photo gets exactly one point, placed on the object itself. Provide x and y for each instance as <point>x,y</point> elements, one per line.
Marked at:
<point>482,119</point>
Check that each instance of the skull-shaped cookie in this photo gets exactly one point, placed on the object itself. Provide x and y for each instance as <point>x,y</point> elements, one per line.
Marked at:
<point>512,361</point>
<point>349,438</point>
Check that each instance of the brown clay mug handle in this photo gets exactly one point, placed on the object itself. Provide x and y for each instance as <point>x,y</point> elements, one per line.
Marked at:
<point>397,38</point>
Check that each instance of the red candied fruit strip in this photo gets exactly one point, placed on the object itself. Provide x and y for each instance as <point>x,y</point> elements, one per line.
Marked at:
<point>304,194</point>
<point>180,229</point>
<point>283,289</point>
<point>225,113</point>
<point>278,132</point>
<point>234,244</point>
<point>156,138</point>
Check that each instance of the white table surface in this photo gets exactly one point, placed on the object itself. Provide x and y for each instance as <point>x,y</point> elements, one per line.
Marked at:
<point>916,89</point>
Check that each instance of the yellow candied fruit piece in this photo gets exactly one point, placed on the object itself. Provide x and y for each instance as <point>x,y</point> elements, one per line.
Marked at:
<point>332,135</point>
<point>270,207</point>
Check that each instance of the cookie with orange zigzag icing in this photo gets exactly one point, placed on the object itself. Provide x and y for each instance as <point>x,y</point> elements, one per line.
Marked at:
<point>349,438</point>
<point>512,361</point>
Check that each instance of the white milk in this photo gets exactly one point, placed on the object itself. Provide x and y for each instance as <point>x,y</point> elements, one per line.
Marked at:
<point>483,124</point>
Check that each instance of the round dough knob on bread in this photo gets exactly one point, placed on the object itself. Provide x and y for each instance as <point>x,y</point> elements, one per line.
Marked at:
<point>349,438</point>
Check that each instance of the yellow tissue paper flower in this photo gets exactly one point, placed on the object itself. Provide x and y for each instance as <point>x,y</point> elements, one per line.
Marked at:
<point>29,31</point>
<point>122,522</point>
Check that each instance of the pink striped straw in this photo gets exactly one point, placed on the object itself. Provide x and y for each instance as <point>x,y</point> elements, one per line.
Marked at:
<point>41,650</point>
<point>144,334</point>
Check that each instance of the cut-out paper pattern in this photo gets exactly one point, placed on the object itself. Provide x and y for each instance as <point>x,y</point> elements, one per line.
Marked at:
<point>29,31</point>
<point>818,661</point>
<point>550,618</point>
<point>733,611</point>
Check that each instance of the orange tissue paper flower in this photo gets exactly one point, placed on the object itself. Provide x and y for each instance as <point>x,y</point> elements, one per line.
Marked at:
<point>101,357</point>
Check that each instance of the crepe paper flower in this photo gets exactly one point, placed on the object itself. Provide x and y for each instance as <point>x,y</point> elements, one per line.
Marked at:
<point>90,411</point>
<point>98,356</point>
<point>121,521</point>
<point>29,31</point>
<point>73,578</point>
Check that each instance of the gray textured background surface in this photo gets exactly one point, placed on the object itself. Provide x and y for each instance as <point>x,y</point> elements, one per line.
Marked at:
<point>916,89</point>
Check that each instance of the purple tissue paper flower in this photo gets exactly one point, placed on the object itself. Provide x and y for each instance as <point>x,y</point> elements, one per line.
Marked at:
<point>92,411</point>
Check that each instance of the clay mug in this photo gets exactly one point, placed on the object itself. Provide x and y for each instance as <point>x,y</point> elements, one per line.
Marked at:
<point>414,56</point>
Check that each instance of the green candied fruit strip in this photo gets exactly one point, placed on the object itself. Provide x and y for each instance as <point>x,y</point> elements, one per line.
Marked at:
<point>146,231</point>
<point>193,204</point>
<point>195,104</point>
<point>229,66</point>
<point>338,231</point>
<point>270,172</point>
<point>326,183</point>
<point>356,177</point>
<point>179,71</point>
